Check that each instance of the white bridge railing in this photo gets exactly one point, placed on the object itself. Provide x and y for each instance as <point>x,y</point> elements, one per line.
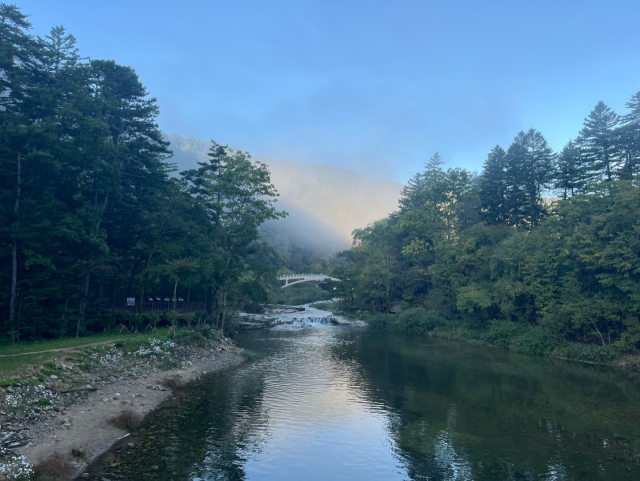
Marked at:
<point>298,278</point>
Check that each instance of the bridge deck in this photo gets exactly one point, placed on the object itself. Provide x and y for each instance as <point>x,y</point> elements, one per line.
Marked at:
<point>291,279</point>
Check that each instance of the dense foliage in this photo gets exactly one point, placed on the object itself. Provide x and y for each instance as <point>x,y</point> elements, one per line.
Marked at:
<point>540,245</point>
<point>88,209</point>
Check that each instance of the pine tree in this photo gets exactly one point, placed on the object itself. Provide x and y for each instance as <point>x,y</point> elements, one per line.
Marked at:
<point>433,172</point>
<point>60,51</point>
<point>493,186</point>
<point>597,142</point>
<point>415,185</point>
<point>570,177</point>
<point>628,136</point>
<point>530,167</point>
<point>420,189</point>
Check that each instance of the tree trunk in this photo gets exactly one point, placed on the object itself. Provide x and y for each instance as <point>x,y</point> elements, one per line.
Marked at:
<point>209,306</point>
<point>224,307</point>
<point>100,296</point>
<point>14,258</point>
<point>87,272</point>
<point>175,291</point>
<point>83,301</point>
<point>64,313</point>
<point>143,280</point>
<point>134,269</point>
<point>14,283</point>
<point>115,285</point>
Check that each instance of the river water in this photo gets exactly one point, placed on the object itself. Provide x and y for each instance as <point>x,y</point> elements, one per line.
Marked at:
<point>330,403</point>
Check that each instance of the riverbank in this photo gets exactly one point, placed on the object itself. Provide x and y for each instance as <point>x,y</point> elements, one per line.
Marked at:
<point>507,335</point>
<point>65,406</point>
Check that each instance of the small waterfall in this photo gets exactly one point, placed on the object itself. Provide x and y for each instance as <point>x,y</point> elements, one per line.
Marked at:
<point>316,320</point>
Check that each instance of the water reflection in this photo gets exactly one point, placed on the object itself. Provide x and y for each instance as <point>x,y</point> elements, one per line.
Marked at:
<point>331,403</point>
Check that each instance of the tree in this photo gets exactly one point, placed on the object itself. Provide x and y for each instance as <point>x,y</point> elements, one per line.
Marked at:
<point>59,50</point>
<point>530,167</point>
<point>628,136</point>
<point>570,176</point>
<point>21,133</point>
<point>493,187</point>
<point>418,187</point>
<point>238,197</point>
<point>597,142</point>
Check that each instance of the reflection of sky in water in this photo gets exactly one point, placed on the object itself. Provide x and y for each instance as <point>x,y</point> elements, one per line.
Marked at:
<point>329,403</point>
<point>317,422</point>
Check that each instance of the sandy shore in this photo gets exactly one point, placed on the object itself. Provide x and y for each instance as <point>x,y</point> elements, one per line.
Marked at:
<point>83,424</point>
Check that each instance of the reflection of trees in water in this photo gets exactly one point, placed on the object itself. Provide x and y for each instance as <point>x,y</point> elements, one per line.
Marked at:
<point>515,416</point>
<point>451,411</point>
<point>238,426</point>
<point>197,435</point>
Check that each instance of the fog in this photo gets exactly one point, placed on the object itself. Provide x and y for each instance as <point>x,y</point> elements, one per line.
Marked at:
<point>325,202</point>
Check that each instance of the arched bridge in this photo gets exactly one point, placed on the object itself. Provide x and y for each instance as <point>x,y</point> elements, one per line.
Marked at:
<point>291,279</point>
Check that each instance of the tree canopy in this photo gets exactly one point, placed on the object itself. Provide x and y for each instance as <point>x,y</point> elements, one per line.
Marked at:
<point>91,210</point>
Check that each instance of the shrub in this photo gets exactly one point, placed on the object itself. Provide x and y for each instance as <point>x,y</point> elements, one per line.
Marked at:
<point>522,338</point>
<point>535,341</point>
<point>78,453</point>
<point>54,468</point>
<point>7,383</point>
<point>417,321</point>
<point>381,322</point>
<point>587,352</point>
<point>172,383</point>
<point>192,338</point>
<point>500,333</point>
<point>127,420</point>
<point>168,363</point>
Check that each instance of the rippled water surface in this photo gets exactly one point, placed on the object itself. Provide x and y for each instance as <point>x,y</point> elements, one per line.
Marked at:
<point>330,403</point>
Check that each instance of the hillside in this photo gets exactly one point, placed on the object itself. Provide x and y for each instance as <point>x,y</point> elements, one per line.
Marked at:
<point>325,202</point>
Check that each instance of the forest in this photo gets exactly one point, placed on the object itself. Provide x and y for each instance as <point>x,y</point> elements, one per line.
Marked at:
<point>539,253</point>
<point>539,250</point>
<point>93,211</point>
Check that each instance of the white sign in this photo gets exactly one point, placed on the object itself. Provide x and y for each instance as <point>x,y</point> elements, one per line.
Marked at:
<point>131,301</point>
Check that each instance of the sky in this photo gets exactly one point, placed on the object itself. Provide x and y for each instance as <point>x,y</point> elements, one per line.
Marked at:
<point>373,86</point>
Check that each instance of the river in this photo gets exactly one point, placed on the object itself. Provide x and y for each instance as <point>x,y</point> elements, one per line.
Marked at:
<point>334,403</point>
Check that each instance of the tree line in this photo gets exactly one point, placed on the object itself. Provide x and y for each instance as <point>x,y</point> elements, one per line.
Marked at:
<point>91,208</point>
<point>539,240</point>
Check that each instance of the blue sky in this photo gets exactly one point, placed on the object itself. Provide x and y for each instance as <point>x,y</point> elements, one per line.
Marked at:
<point>373,86</point>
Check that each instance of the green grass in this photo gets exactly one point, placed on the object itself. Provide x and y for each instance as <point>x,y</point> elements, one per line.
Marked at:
<point>65,343</point>
<point>33,353</point>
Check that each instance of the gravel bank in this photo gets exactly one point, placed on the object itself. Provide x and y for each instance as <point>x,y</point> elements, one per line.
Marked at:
<point>69,411</point>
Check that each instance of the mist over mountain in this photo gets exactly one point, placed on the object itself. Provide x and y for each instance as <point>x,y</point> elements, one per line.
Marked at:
<point>325,202</point>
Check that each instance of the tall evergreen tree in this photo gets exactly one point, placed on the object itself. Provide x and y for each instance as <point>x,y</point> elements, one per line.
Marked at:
<point>597,142</point>
<point>416,192</point>
<point>493,187</point>
<point>530,167</point>
<point>628,136</point>
<point>415,185</point>
<point>570,177</point>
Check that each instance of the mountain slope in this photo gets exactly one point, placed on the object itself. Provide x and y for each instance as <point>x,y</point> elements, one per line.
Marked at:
<point>326,202</point>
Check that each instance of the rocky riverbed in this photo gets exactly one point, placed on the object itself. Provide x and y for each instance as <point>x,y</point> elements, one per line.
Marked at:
<point>285,318</point>
<point>65,405</point>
